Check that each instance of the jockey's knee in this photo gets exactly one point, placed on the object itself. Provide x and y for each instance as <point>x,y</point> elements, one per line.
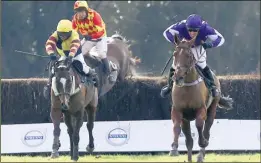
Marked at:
<point>79,57</point>
<point>103,54</point>
<point>173,66</point>
<point>202,65</point>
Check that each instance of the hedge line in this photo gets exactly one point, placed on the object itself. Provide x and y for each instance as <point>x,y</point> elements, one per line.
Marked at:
<point>138,98</point>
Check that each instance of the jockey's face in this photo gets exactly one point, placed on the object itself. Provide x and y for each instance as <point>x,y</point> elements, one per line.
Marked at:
<point>193,32</point>
<point>81,14</point>
<point>64,35</point>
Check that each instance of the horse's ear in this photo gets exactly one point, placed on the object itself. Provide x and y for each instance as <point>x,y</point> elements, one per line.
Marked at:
<point>176,40</point>
<point>69,65</point>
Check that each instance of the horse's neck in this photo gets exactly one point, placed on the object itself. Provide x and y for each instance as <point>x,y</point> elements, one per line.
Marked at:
<point>191,76</point>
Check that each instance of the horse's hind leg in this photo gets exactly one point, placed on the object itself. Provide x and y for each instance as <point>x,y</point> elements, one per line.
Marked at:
<point>90,124</point>
<point>211,114</point>
<point>56,115</point>
<point>176,117</point>
<point>189,140</point>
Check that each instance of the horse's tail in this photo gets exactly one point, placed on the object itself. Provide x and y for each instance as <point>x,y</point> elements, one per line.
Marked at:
<point>134,61</point>
<point>225,102</point>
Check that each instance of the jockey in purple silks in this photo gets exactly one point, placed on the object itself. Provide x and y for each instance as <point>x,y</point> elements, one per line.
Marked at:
<point>187,29</point>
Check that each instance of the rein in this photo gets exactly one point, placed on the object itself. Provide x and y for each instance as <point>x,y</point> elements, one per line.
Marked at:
<point>191,55</point>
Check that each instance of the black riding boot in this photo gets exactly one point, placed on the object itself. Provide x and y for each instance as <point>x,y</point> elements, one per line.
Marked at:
<point>94,76</point>
<point>167,89</point>
<point>107,69</point>
<point>208,74</point>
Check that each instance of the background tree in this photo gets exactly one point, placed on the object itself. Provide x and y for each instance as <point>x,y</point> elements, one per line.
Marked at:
<point>26,26</point>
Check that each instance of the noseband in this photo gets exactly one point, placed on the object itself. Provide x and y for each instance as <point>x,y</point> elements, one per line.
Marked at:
<point>67,67</point>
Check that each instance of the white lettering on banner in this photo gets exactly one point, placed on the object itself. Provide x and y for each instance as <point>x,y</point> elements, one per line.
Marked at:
<point>130,136</point>
<point>118,136</point>
<point>33,138</point>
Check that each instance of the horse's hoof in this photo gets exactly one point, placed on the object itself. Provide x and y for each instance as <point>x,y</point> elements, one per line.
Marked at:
<point>190,157</point>
<point>75,159</point>
<point>89,149</point>
<point>98,156</point>
<point>54,155</point>
<point>174,152</point>
<point>200,158</point>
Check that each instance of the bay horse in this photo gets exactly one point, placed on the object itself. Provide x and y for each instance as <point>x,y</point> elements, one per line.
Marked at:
<point>122,63</point>
<point>72,95</point>
<point>191,100</point>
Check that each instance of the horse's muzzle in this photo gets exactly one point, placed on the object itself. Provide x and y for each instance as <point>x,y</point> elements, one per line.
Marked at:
<point>64,107</point>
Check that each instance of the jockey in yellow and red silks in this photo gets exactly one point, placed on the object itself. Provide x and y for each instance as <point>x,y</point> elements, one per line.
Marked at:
<point>91,26</point>
<point>66,42</point>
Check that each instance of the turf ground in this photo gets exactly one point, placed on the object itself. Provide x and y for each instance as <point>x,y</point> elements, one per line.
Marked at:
<point>210,157</point>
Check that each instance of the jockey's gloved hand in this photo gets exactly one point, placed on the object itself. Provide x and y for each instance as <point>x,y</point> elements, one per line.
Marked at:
<point>207,45</point>
<point>70,57</point>
<point>53,57</point>
<point>87,37</point>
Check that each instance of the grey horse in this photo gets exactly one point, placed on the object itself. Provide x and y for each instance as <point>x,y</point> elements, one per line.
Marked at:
<point>122,63</point>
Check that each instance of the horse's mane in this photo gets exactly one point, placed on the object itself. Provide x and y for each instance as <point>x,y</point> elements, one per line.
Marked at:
<point>120,37</point>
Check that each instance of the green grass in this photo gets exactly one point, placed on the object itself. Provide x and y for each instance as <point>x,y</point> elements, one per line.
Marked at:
<point>211,157</point>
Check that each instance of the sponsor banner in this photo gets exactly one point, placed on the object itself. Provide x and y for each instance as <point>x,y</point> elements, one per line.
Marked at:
<point>130,136</point>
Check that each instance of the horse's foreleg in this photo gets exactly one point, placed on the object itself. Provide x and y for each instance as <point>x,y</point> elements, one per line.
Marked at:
<point>176,117</point>
<point>211,114</point>
<point>56,115</point>
<point>78,121</point>
<point>90,124</point>
<point>68,122</point>
<point>189,140</point>
<point>200,118</point>
<point>202,141</point>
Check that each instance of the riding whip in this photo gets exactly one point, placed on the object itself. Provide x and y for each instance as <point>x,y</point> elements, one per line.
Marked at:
<point>166,64</point>
<point>32,54</point>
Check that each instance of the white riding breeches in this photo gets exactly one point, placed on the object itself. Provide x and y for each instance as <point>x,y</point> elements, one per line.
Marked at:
<point>200,56</point>
<point>100,47</point>
<point>80,58</point>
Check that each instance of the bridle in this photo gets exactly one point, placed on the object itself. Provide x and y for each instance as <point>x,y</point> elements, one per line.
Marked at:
<point>56,65</point>
<point>191,59</point>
